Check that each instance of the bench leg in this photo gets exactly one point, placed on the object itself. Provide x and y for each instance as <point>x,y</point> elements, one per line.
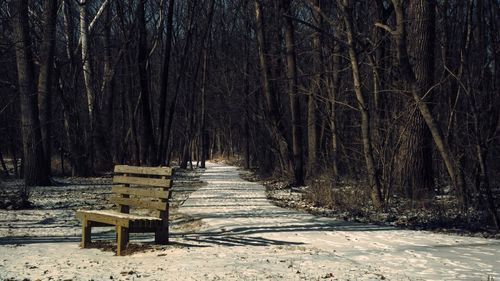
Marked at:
<point>121,240</point>
<point>161,234</point>
<point>86,234</point>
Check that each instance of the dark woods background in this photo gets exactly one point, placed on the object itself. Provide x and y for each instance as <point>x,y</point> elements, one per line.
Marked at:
<point>399,97</point>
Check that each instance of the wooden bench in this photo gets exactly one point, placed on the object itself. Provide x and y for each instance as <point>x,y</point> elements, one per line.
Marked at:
<point>139,187</point>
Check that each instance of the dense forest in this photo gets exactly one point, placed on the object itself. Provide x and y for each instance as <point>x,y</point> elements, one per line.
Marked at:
<point>400,97</point>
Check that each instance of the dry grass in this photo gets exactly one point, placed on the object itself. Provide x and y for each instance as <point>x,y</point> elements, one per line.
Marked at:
<point>325,193</point>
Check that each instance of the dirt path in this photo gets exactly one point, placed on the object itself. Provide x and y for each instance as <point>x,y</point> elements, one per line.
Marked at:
<point>242,236</point>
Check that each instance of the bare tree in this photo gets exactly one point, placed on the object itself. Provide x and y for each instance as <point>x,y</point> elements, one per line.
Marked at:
<point>291,71</point>
<point>147,137</point>
<point>45,77</point>
<point>270,95</point>
<point>315,90</point>
<point>161,150</point>
<point>419,93</point>
<point>373,174</point>
<point>86,60</point>
<point>35,170</point>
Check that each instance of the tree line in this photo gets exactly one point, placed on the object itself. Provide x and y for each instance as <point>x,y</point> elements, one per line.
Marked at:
<point>400,96</point>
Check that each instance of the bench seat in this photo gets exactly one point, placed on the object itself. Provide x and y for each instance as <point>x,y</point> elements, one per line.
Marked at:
<point>110,217</point>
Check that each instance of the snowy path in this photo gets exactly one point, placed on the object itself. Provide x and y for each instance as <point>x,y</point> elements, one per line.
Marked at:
<point>245,237</point>
<point>240,211</point>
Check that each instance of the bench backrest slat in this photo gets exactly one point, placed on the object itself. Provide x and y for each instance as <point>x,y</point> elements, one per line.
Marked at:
<point>152,205</point>
<point>145,192</point>
<point>166,183</point>
<point>157,171</point>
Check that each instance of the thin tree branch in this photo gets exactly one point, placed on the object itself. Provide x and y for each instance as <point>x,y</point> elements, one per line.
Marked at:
<point>385,27</point>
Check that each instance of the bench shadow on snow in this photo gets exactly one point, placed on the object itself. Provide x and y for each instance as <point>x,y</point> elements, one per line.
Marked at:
<point>25,240</point>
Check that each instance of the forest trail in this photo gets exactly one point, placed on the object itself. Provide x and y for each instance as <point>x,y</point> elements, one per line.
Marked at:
<point>237,213</point>
<point>237,235</point>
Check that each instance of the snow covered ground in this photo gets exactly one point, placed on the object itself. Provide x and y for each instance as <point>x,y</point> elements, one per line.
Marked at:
<point>237,234</point>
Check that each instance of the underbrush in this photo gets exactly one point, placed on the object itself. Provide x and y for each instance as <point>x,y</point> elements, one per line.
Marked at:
<point>351,202</point>
<point>345,197</point>
<point>441,213</point>
<point>14,196</point>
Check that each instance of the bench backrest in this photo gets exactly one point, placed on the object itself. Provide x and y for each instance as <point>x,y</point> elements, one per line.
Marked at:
<point>142,188</point>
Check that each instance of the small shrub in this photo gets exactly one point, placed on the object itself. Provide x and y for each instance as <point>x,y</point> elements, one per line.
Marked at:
<point>320,196</point>
<point>351,197</point>
<point>14,197</point>
<point>325,193</point>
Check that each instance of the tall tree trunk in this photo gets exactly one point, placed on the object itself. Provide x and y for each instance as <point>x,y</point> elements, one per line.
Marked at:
<point>75,132</point>
<point>95,141</point>
<point>87,77</point>
<point>277,130</point>
<point>332,83</point>
<point>415,156</point>
<point>45,77</point>
<point>419,94</point>
<point>147,137</point>
<point>105,122</point>
<point>334,90</point>
<point>72,131</point>
<point>86,61</point>
<point>180,76</point>
<point>203,129</point>
<point>35,170</point>
<point>291,71</point>
<point>484,127</point>
<point>481,155</point>
<point>315,89</point>
<point>246,100</point>
<point>373,175</point>
<point>161,150</point>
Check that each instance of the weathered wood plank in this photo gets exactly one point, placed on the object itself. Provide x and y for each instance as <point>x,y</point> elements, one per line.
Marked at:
<point>117,215</point>
<point>145,192</point>
<point>158,171</point>
<point>143,181</point>
<point>161,206</point>
<point>103,218</point>
<point>144,225</point>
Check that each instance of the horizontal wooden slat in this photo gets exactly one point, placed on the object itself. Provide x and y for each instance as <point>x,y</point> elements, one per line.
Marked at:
<point>141,229</point>
<point>102,218</point>
<point>161,206</point>
<point>145,192</point>
<point>158,171</point>
<point>142,181</point>
<point>136,225</point>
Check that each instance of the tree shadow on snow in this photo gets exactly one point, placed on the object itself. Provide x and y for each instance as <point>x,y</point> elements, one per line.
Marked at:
<point>205,239</point>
